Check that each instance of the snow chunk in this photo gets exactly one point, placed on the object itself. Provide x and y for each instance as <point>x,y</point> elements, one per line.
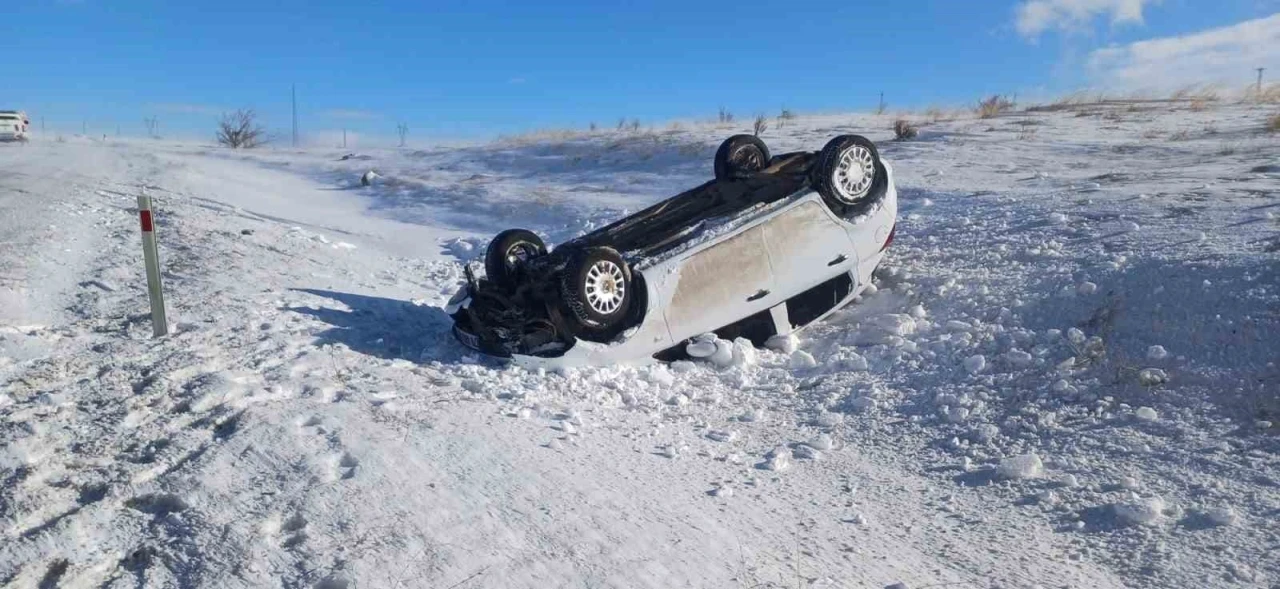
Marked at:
<point>984,433</point>
<point>956,414</point>
<point>744,352</point>
<point>821,442</point>
<point>862,404</point>
<point>1075,336</point>
<point>683,366</point>
<point>1141,511</point>
<point>722,435</point>
<point>1025,466</point>
<point>894,323</point>
<point>917,311</point>
<point>782,343</point>
<point>884,330</point>
<point>701,349</point>
<point>855,362</point>
<point>828,419</point>
<point>807,453</point>
<point>777,459</point>
<point>975,363</point>
<point>1145,414</point>
<point>1087,288</point>
<point>1152,376</point>
<point>1157,353</point>
<point>1223,515</point>
<point>802,359</point>
<point>1058,218</point>
<point>1128,483</point>
<point>752,415</point>
<point>1018,357</point>
<point>723,356</point>
<point>722,492</point>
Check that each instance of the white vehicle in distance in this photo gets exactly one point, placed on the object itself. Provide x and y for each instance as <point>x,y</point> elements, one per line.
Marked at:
<point>13,125</point>
<point>771,245</point>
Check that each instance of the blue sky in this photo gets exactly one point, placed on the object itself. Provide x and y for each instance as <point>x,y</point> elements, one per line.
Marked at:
<point>474,69</point>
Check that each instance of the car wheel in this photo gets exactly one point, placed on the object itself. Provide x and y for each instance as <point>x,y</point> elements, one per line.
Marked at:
<point>508,251</point>
<point>596,287</point>
<point>848,171</point>
<point>739,156</point>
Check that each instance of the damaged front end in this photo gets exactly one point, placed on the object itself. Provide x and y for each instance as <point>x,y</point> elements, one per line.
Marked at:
<point>503,324</point>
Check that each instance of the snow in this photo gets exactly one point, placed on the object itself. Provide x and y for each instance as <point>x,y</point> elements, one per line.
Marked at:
<point>311,423</point>
<point>1152,376</point>
<point>1157,352</point>
<point>1145,414</point>
<point>1222,515</point>
<point>975,363</point>
<point>1025,466</point>
<point>1142,511</point>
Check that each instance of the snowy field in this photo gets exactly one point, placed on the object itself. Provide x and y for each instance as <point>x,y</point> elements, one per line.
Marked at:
<point>1066,376</point>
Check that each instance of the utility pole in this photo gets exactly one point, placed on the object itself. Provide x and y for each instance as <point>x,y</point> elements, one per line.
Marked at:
<point>294,91</point>
<point>403,130</point>
<point>344,137</point>
<point>880,109</point>
<point>1260,70</point>
<point>84,127</point>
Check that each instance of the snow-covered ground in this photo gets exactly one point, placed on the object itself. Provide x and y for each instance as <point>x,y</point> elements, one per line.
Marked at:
<point>1065,378</point>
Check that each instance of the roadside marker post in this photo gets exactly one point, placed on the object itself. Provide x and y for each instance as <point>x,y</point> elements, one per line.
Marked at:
<point>160,325</point>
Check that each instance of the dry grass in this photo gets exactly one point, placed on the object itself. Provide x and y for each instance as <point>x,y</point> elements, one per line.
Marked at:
<point>1273,123</point>
<point>1182,135</point>
<point>903,130</point>
<point>761,124</point>
<point>993,106</point>
<point>725,116</point>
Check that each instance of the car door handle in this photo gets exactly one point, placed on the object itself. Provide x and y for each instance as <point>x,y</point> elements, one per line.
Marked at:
<point>760,294</point>
<point>839,260</point>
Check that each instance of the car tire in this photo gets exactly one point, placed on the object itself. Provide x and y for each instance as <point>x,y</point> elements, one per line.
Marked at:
<point>507,251</point>
<point>740,156</point>
<point>848,173</point>
<point>597,289</point>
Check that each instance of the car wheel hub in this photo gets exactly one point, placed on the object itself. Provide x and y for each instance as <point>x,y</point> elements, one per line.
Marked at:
<point>854,173</point>
<point>519,253</point>
<point>605,287</point>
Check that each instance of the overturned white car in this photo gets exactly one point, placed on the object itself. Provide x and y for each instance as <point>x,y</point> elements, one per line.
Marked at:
<point>769,246</point>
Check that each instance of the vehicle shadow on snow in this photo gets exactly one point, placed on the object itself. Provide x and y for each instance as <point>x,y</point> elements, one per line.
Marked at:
<point>390,329</point>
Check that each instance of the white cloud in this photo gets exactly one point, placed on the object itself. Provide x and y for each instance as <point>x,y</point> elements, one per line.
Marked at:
<point>351,114</point>
<point>1037,16</point>
<point>1214,56</point>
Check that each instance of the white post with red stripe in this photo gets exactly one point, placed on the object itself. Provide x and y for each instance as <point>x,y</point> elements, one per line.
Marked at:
<point>160,325</point>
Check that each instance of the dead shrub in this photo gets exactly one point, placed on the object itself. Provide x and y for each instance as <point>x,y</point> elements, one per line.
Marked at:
<point>761,124</point>
<point>993,106</point>
<point>240,130</point>
<point>1273,123</point>
<point>725,115</point>
<point>903,130</point>
<point>784,117</point>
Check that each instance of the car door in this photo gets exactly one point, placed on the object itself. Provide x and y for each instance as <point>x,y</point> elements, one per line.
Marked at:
<point>720,284</point>
<point>807,246</point>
